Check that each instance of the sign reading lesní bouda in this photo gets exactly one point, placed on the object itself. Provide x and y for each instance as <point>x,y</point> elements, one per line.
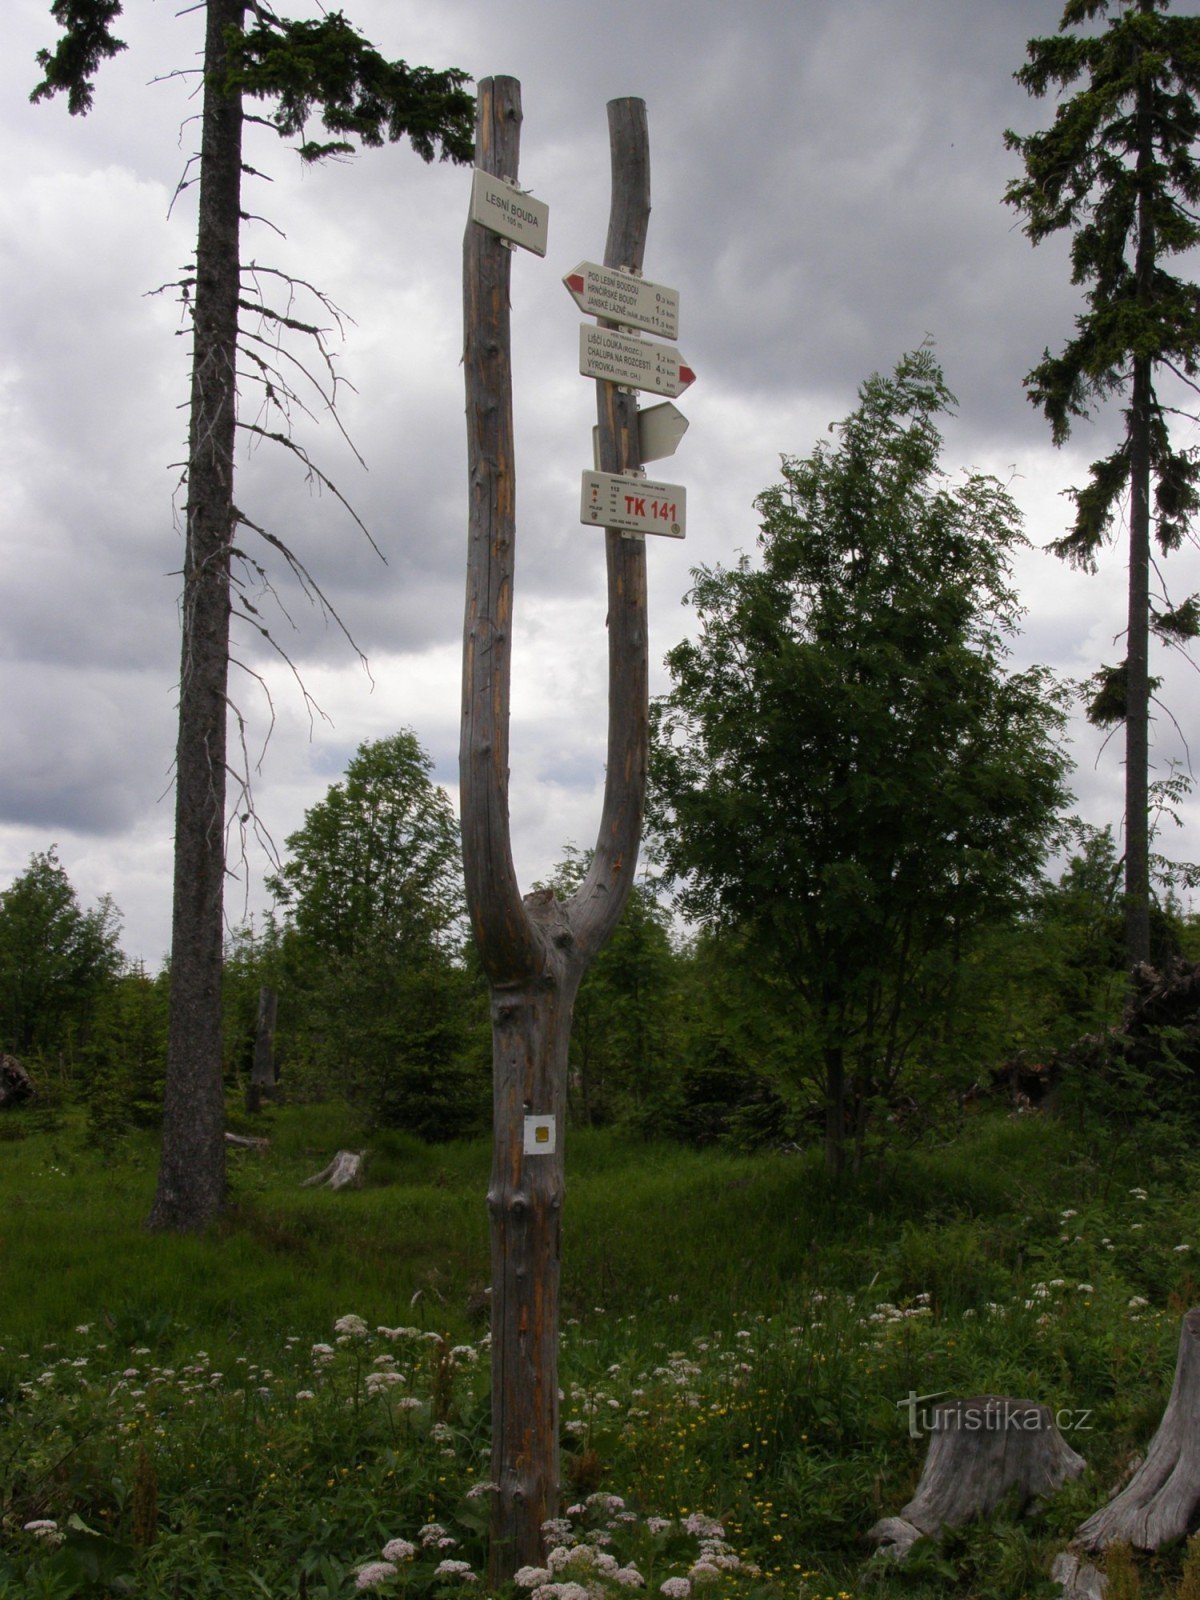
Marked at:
<point>508,211</point>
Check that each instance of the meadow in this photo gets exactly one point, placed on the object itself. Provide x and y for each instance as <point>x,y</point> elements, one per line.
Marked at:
<point>296,1404</point>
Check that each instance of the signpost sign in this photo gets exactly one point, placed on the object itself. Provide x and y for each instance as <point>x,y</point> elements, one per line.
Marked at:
<point>620,297</point>
<point>660,428</point>
<point>633,505</point>
<point>504,209</point>
<point>637,363</point>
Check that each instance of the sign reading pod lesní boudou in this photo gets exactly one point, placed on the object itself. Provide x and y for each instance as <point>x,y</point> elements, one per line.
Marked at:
<point>621,297</point>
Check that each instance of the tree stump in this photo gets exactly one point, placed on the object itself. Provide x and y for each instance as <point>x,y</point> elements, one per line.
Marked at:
<point>1159,1503</point>
<point>980,1450</point>
<point>343,1172</point>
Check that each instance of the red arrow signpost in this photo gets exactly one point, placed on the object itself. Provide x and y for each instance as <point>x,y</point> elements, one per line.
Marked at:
<point>535,949</point>
<point>625,299</point>
<point>634,363</point>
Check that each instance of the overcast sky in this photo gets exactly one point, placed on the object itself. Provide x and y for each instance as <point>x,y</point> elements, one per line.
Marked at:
<point>827,179</point>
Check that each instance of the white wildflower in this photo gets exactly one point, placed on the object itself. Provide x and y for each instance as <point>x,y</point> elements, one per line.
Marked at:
<point>373,1574</point>
<point>454,1569</point>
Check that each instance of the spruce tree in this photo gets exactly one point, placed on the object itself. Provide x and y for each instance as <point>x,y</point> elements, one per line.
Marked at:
<point>321,68</point>
<point>1118,169</point>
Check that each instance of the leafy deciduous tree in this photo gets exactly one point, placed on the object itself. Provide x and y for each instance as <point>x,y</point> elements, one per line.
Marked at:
<point>379,853</point>
<point>56,959</point>
<point>373,991</point>
<point>1118,169</point>
<point>843,766</point>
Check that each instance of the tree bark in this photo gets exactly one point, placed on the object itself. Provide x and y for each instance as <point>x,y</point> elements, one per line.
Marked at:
<point>262,1070</point>
<point>535,950</point>
<point>835,1110</point>
<point>343,1172</point>
<point>980,1450</point>
<point>1137,638</point>
<point>1159,1503</point>
<point>191,1179</point>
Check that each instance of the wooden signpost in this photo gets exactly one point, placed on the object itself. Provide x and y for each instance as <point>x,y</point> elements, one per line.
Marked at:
<point>535,949</point>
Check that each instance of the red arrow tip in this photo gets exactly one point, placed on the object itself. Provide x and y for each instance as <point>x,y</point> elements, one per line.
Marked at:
<point>686,376</point>
<point>574,282</point>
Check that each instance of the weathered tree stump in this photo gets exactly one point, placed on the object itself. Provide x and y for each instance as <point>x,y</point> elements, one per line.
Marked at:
<point>1160,1502</point>
<point>343,1172</point>
<point>980,1450</point>
<point>15,1083</point>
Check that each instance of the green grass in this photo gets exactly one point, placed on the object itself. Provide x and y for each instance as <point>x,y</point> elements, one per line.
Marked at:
<point>737,1334</point>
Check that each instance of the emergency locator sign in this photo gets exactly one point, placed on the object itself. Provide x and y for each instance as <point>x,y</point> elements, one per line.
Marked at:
<point>633,505</point>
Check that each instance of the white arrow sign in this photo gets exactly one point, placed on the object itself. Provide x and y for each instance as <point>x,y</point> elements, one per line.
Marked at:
<point>619,296</point>
<point>634,505</point>
<point>502,208</point>
<point>660,428</point>
<point>636,363</point>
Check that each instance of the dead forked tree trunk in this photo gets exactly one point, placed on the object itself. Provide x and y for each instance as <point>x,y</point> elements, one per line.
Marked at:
<point>536,950</point>
<point>980,1450</point>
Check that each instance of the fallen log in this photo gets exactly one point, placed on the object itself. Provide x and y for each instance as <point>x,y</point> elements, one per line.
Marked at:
<point>980,1450</point>
<point>343,1172</point>
<point>246,1141</point>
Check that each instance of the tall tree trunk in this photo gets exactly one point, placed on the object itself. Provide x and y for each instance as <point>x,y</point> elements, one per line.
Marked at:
<point>1137,684</point>
<point>835,1110</point>
<point>262,1071</point>
<point>1137,659</point>
<point>535,951</point>
<point>191,1179</point>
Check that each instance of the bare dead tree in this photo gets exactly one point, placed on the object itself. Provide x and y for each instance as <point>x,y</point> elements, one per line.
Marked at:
<point>320,67</point>
<point>536,949</point>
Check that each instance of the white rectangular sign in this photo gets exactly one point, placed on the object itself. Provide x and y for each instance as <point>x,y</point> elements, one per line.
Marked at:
<point>539,1136</point>
<point>633,505</point>
<point>619,296</point>
<point>637,363</point>
<point>505,210</point>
